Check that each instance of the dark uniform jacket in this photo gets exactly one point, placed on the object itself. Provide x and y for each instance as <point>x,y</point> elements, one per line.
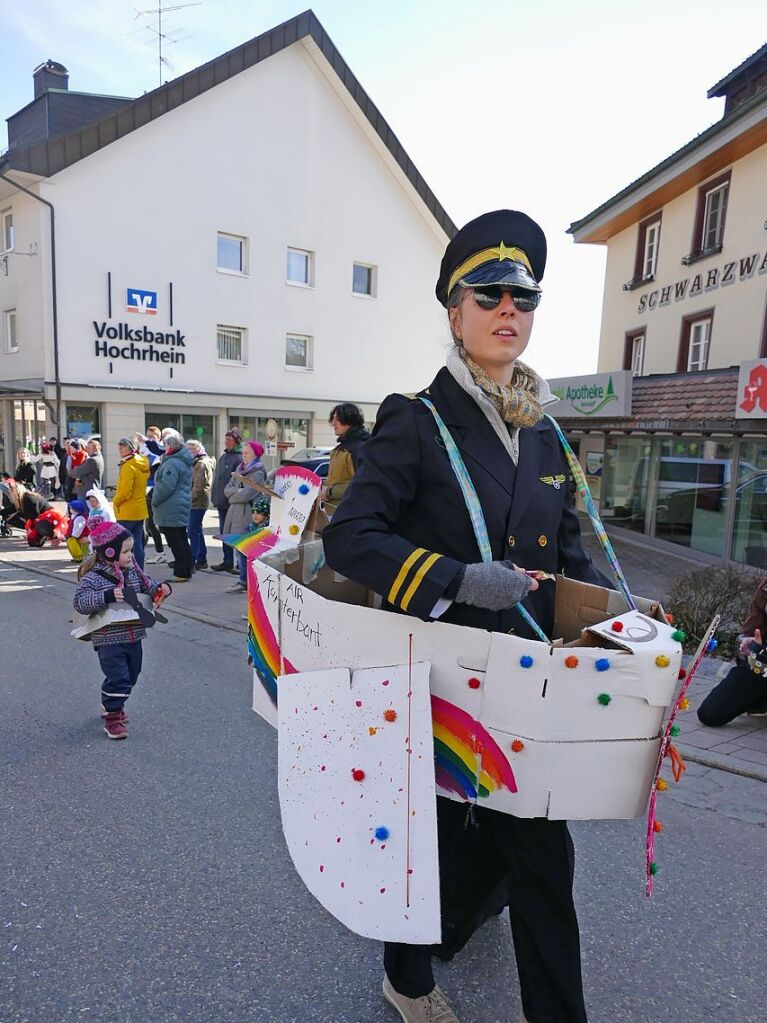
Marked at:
<point>403,528</point>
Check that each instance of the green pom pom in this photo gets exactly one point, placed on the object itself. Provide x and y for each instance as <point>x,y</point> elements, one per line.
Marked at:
<point>679,635</point>
<point>604,699</point>
<point>675,730</point>
<point>653,869</point>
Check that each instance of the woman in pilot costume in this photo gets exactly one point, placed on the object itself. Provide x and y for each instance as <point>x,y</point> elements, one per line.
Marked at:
<point>407,529</point>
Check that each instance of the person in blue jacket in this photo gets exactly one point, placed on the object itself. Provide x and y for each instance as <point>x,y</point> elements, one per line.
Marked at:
<point>405,530</point>
<point>172,499</point>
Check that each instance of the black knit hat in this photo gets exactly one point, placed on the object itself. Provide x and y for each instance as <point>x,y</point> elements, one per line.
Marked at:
<point>502,247</point>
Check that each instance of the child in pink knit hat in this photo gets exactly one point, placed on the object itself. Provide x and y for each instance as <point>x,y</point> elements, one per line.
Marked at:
<point>109,577</point>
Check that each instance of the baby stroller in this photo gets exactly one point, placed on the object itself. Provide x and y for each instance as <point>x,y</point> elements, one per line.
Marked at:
<point>9,516</point>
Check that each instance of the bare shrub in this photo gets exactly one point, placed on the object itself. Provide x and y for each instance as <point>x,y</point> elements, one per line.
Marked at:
<point>695,598</point>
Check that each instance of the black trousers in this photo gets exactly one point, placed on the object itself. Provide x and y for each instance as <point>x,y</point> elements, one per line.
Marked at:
<point>740,692</point>
<point>152,529</point>
<point>527,864</point>
<point>178,541</point>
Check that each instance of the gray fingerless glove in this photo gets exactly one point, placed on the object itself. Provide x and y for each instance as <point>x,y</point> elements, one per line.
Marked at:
<point>493,585</point>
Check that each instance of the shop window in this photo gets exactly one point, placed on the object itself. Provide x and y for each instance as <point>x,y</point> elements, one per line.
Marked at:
<point>11,331</point>
<point>633,352</point>
<point>749,539</point>
<point>231,344</point>
<point>6,230</point>
<point>300,267</point>
<point>190,425</point>
<point>710,213</point>
<point>693,494</point>
<point>363,279</point>
<point>694,342</point>
<point>83,421</point>
<point>232,253</point>
<point>298,352</point>
<point>625,479</point>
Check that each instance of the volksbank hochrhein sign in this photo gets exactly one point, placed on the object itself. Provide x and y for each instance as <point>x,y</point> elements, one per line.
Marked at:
<point>125,340</point>
<point>598,396</point>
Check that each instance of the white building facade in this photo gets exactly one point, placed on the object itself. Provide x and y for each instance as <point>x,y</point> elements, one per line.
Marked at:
<point>247,245</point>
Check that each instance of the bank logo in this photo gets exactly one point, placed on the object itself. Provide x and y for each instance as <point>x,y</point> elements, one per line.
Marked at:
<point>142,302</point>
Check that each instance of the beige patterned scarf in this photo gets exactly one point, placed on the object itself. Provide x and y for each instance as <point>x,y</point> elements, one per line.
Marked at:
<point>517,403</point>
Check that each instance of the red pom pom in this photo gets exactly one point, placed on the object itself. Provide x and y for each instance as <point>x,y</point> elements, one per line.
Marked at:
<point>358,774</point>
<point>682,673</point>
<point>617,626</point>
<point>517,746</point>
<point>474,683</point>
<point>390,715</point>
<point>657,826</point>
<point>571,661</point>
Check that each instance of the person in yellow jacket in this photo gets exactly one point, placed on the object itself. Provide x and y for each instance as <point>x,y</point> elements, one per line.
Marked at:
<point>130,495</point>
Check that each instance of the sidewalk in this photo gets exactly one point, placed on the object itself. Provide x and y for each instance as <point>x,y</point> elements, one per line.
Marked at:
<point>740,747</point>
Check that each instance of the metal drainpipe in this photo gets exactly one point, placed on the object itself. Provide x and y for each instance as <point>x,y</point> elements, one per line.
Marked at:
<point>57,378</point>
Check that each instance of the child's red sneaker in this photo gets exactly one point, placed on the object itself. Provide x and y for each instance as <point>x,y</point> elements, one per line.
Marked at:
<point>114,725</point>
<point>125,717</point>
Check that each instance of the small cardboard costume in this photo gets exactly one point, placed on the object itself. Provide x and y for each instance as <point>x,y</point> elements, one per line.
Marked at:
<point>570,729</point>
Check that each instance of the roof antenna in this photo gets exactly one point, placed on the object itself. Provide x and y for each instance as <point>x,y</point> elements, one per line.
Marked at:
<point>169,38</point>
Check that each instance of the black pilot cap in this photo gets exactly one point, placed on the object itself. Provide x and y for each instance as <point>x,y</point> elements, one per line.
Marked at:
<point>502,247</point>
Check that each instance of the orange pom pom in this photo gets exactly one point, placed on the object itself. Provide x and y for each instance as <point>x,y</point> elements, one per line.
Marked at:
<point>657,827</point>
<point>684,703</point>
<point>517,746</point>
<point>390,715</point>
<point>670,619</point>
<point>571,661</point>
<point>661,785</point>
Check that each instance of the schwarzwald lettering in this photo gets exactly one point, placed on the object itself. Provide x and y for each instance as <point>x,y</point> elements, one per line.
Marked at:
<point>132,351</point>
<point>123,332</point>
<point>740,269</point>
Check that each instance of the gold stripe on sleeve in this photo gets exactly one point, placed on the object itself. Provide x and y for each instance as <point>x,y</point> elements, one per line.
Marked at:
<point>402,574</point>
<point>417,580</point>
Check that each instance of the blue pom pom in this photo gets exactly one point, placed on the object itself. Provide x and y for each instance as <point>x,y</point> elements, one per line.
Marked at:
<point>304,488</point>
<point>381,834</point>
<point>526,661</point>
<point>712,645</point>
<point>602,664</point>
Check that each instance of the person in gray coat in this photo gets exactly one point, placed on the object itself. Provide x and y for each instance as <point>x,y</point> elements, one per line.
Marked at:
<point>90,473</point>
<point>172,499</point>
<point>241,498</point>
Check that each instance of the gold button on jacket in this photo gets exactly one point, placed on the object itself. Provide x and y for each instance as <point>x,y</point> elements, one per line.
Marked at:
<point>542,541</point>
<point>512,541</point>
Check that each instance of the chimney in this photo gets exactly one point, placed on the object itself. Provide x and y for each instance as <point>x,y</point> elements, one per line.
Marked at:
<point>50,75</point>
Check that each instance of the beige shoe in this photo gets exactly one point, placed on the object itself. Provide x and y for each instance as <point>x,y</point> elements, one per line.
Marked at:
<point>431,1008</point>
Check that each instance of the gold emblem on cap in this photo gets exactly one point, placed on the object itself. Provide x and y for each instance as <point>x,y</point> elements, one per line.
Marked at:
<point>487,256</point>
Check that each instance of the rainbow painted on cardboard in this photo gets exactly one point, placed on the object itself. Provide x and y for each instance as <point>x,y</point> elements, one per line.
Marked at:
<point>467,759</point>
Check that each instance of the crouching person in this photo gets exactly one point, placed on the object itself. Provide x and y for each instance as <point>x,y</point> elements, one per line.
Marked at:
<point>107,577</point>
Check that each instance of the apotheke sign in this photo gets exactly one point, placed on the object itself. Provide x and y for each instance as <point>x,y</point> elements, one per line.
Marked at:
<point>752,390</point>
<point>707,280</point>
<point>600,395</point>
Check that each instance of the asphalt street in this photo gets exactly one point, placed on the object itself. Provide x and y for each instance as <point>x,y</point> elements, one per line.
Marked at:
<point>147,881</point>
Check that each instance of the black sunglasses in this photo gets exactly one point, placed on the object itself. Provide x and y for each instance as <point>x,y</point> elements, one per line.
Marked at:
<point>490,297</point>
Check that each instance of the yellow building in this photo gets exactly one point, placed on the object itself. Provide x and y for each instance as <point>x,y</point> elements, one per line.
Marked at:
<point>684,318</point>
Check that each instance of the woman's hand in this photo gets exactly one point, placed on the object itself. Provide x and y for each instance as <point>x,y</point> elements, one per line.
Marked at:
<point>119,593</point>
<point>494,585</point>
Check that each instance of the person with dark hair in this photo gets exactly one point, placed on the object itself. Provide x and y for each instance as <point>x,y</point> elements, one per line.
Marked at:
<point>349,426</point>
<point>228,461</point>
<point>25,469</point>
<point>454,492</point>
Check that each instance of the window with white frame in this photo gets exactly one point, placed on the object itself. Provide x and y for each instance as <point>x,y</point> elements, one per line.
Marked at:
<point>231,344</point>
<point>232,253</point>
<point>363,279</point>
<point>637,355</point>
<point>11,335</point>
<point>700,336</point>
<point>650,256</point>
<point>300,267</point>
<point>6,227</point>
<point>298,351</point>
<point>713,218</point>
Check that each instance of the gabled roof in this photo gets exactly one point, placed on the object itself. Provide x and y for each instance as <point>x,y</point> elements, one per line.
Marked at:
<point>50,157</point>
<point>720,89</point>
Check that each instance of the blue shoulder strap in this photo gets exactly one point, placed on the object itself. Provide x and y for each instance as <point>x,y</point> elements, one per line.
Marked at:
<point>474,508</point>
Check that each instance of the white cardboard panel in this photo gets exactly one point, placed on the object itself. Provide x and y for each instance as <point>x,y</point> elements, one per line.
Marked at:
<point>330,724</point>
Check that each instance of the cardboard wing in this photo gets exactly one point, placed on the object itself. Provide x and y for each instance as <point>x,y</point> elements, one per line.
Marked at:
<point>356,785</point>
<point>567,730</point>
<point>113,614</point>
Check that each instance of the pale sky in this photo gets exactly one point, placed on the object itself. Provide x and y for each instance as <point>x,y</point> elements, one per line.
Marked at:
<point>548,106</point>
